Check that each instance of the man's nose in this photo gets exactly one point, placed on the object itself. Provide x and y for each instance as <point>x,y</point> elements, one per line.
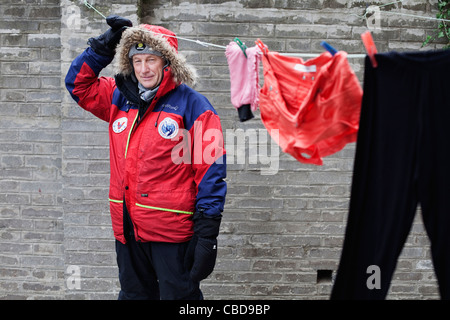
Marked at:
<point>145,68</point>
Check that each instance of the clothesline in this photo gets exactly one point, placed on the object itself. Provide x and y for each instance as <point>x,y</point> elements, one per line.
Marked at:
<point>415,16</point>
<point>369,10</point>
<point>313,55</point>
<point>303,55</point>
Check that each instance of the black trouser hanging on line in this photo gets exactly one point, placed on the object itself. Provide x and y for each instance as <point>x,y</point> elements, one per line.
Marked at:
<point>402,160</point>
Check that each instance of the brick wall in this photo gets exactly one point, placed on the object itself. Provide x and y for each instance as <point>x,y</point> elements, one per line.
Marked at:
<point>281,234</point>
<point>31,210</point>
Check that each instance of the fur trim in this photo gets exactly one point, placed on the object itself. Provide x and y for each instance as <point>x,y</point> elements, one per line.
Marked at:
<point>181,71</point>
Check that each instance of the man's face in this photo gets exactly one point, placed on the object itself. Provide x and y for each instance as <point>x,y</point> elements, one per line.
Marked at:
<point>148,69</point>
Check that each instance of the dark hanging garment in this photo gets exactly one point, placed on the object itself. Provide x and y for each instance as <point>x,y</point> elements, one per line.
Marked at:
<point>402,161</point>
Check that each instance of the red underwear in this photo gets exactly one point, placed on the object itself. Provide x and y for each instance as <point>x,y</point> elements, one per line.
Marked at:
<point>314,104</point>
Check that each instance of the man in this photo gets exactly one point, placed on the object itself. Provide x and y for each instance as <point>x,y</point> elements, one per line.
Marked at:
<point>167,158</point>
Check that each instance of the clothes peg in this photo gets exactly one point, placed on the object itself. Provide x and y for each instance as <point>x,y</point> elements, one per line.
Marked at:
<point>370,47</point>
<point>329,48</point>
<point>241,45</point>
<point>261,46</point>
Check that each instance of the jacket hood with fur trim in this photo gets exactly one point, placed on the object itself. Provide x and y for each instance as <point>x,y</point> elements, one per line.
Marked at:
<point>160,39</point>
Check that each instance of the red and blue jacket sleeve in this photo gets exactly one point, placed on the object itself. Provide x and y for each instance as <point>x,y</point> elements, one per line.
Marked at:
<point>91,92</point>
<point>208,158</point>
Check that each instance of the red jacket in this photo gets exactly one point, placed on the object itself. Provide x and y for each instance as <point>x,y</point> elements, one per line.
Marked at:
<point>166,165</point>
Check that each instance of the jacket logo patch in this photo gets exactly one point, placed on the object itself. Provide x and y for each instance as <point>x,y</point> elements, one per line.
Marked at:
<point>168,128</point>
<point>120,124</point>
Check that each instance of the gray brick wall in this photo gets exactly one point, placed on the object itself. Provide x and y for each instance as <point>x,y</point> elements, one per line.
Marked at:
<point>279,232</point>
<point>31,209</point>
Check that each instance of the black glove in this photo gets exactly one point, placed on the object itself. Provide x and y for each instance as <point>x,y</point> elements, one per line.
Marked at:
<point>201,253</point>
<point>106,43</point>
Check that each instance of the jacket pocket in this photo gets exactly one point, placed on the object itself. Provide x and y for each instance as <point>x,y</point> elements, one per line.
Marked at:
<point>169,197</point>
<point>163,209</point>
<point>166,220</point>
